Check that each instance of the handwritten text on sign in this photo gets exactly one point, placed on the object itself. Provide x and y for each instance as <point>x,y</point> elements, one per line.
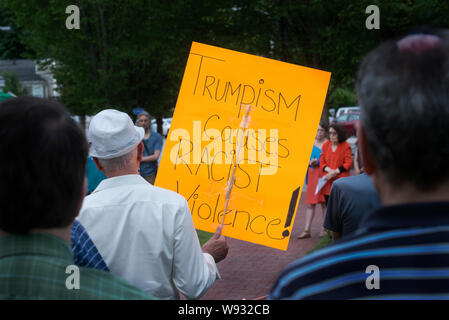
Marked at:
<point>201,149</point>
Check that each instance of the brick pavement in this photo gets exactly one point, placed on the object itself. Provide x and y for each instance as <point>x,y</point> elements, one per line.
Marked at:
<point>250,270</point>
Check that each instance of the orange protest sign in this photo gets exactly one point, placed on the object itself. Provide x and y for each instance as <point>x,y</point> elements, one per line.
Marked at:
<point>202,147</point>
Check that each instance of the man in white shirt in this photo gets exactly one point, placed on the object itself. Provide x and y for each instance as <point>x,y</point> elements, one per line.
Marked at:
<point>144,233</point>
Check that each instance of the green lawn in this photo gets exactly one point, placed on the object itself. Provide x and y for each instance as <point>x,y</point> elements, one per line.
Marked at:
<point>203,236</point>
<point>324,242</point>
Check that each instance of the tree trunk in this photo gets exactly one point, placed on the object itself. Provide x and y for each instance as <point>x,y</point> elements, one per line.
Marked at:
<point>159,126</point>
<point>83,122</point>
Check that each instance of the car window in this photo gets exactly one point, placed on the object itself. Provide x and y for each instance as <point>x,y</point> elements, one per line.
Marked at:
<point>342,118</point>
<point>345,110</point>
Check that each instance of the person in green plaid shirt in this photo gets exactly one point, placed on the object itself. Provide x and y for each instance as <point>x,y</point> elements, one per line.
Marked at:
<point>41,191</point>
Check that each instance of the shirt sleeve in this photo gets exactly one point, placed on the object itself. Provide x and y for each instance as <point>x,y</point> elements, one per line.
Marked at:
<point>347,162</point>
<point>332,220</point>
<point>194,272</point>
<point>322,160</point>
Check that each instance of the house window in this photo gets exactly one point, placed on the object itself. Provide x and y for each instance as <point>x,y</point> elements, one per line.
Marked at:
<point>37,90</point>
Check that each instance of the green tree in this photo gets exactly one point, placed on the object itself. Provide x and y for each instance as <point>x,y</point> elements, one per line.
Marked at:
<point>117,58</point>
<point>133,53</point>
<point>11,45</point>
<point>13,84</point>
<point>326,34</point>
<point>126,54</point>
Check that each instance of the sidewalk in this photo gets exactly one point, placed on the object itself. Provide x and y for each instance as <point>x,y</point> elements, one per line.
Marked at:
<point>249,271</point>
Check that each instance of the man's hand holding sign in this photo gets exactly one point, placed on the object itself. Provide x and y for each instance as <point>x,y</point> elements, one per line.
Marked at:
<point>217,246</point>
<point>247,177</point>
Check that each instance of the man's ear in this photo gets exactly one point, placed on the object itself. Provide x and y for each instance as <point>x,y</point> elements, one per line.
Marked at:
<point>369,164</point>
<point>140,152</point>
<point>98,164</point>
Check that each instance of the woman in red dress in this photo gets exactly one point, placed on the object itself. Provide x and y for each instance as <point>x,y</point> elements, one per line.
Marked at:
<point>313,174</point>
<point>335,159</point>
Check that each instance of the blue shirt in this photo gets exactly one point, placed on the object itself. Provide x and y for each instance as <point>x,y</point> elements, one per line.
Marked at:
<point>150,145</point>
<point>409,244</point>
<point>350,199</point>
<point>94,176</point>
<point>85,253</point>
<point>316,153</point>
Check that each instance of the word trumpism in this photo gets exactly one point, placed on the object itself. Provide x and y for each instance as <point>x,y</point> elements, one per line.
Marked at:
<point>214,89</point>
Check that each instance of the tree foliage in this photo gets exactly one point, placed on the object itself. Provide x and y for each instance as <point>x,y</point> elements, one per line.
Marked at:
<point>328,34</point>
<point>13,84</point>
<point>117,58</point>
<point>11,45</point>
<point>132,53</point>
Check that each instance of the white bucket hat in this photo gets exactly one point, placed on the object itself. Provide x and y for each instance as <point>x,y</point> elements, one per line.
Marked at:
<point>112,134</point>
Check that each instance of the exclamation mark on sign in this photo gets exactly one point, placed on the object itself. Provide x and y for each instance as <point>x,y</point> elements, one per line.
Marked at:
<point>291,211</point>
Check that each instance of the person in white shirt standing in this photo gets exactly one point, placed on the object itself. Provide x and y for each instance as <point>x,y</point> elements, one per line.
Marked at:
<point>144,233</point>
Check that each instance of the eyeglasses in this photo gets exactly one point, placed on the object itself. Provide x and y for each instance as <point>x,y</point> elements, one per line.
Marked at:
<point>332,133</point>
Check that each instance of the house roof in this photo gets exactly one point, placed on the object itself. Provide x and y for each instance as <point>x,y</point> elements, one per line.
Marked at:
<point>24,69</point>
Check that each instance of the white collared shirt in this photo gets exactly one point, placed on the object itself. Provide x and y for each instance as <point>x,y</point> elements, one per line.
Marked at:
<point>146,236</point>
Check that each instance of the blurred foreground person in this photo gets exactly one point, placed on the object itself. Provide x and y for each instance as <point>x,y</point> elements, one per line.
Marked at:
<point>40,198</point>
<point>402,249</point>
<point>144,233</point>
<point>351,198</point>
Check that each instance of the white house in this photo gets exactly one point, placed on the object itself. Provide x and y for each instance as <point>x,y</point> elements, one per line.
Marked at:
<point>37,82</point>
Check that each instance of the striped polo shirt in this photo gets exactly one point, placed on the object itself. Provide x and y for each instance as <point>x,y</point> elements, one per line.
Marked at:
<point>399,252</point>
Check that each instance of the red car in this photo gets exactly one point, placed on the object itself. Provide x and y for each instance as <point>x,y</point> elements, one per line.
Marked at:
<point>348,121</point>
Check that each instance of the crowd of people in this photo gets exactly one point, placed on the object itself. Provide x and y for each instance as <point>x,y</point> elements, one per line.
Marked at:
<point>343,198</point>
<point>331,159</point>
<point>132,240</point>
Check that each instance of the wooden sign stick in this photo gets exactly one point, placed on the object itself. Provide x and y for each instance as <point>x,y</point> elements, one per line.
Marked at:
<point>232,178</point>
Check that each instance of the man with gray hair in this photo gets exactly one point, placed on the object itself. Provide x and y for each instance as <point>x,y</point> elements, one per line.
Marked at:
<point>144,233</point>
<point>401,251</point>
<point>40,198</point>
